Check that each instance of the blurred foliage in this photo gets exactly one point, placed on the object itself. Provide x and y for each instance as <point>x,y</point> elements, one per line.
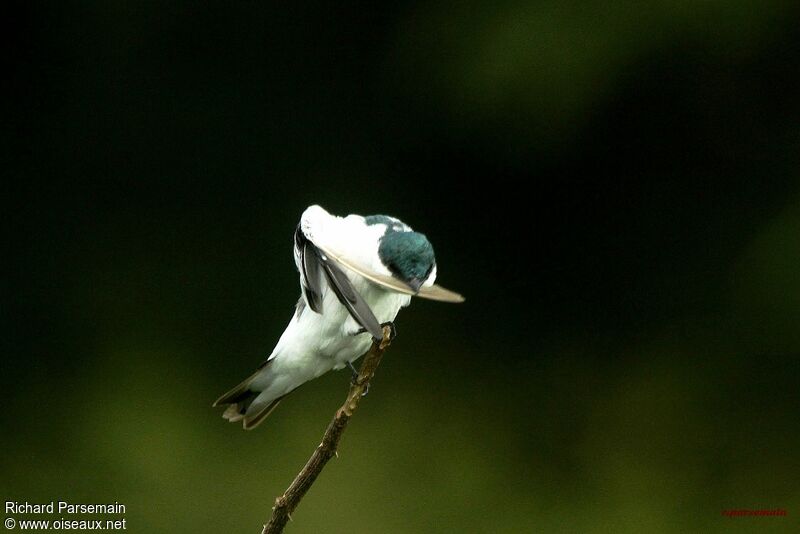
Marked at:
<point>626,360</point>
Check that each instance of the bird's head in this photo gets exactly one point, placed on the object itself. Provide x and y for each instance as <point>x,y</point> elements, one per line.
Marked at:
<point>409,257</point>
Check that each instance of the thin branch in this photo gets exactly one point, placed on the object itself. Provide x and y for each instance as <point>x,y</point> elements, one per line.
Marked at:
<point>286,503</point>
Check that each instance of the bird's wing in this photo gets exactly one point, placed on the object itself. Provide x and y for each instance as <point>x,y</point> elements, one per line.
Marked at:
<point>305,257</point>
<point>433,292</point>
<point>312,262</point>
<point>349,296</point>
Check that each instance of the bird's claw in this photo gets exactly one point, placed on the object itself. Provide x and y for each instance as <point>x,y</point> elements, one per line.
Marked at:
<point>354,379</point>
<point>353,373</point>
<point>392,329</point>
<point>390,324</point>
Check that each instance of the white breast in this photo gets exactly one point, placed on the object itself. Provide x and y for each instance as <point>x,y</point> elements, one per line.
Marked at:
<point>314,343</point>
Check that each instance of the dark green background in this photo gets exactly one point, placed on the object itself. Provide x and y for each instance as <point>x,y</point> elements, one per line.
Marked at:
<point>613,186</point>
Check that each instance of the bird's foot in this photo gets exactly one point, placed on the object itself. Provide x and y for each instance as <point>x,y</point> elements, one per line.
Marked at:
<point>392,329</point>
<point>354,378</point>
<point>353,373</point>
<point>390,324</point>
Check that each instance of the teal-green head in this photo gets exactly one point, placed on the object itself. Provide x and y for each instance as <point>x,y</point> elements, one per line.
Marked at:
<point>408,255</point>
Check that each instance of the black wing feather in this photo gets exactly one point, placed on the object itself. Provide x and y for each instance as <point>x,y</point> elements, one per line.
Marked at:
<point>349,297</point>
<point>308,265</point>
<point>310,261</point>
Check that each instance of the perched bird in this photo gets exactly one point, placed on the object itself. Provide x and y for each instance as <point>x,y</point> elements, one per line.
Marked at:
<point>355,274</point>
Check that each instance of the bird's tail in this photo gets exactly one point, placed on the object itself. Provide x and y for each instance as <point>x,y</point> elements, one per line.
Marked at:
<point>244,405</point>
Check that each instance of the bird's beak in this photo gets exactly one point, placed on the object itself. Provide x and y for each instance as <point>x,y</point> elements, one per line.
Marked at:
<point>415,284</point>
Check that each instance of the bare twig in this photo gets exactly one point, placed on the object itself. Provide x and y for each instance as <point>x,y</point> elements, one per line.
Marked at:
<point>286,503</point>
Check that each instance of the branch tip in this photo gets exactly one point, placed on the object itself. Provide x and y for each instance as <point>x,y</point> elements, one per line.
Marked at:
<point>328,447</point>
